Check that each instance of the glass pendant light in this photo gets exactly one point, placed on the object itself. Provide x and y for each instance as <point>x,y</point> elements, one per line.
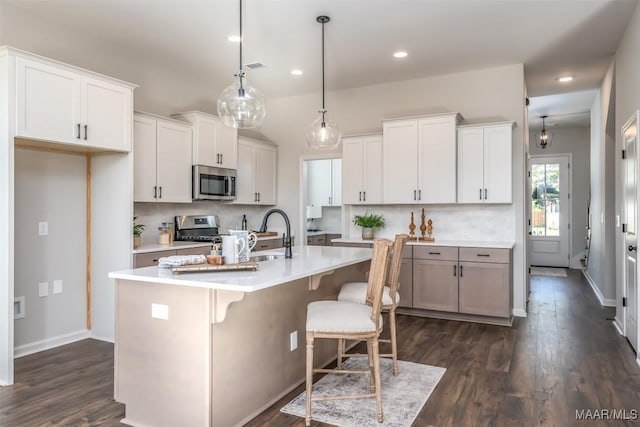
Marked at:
<point>323,133</point>
<point>240,105</point>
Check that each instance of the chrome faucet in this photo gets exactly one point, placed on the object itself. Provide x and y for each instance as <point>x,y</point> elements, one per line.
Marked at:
<point>287,236</point>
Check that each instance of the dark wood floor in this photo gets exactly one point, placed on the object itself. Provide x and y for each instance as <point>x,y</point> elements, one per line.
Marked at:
<point>565,356</point>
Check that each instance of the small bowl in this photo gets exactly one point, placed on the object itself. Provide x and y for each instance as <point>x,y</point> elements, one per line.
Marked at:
<point>215,259</point>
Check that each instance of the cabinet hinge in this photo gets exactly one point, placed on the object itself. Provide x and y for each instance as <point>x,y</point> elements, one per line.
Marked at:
<point>624,228</point>
<point>624,301</point>
<point>624,154</point>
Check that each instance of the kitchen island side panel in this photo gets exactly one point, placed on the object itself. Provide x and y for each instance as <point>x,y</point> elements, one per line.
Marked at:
<point>252,365</point>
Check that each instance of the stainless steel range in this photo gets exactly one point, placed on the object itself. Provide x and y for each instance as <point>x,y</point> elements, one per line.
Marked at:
<point>197,228</point>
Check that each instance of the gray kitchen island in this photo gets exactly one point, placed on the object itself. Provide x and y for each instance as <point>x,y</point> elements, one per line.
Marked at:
<point>214,348</point>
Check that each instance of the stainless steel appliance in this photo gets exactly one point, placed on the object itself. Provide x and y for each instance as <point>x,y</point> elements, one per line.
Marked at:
<point>197,228</point>
<point>211,183</point>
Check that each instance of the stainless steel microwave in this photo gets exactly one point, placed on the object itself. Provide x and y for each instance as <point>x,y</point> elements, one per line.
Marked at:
<point>211,183</point>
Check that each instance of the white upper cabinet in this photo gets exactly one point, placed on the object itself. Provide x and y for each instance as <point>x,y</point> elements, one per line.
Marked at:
<point>63,104</point>
<point>162,159</point>
<point>256,175</point>
<point>214,144</point>
<point>484,163</point>
<point>324,182</point>
<point>419,159</point>
<point>362,170</point>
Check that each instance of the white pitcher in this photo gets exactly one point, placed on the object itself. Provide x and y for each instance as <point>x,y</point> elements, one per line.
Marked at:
<point>249,239</point>
<point>232,247</point>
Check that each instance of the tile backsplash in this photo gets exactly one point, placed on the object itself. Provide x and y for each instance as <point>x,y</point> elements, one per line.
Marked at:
<point>152,215</point>
<point>458,222</point>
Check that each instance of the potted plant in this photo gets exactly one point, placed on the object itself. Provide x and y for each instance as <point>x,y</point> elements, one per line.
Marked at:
<point>369,222</point>
<point>137,231</point>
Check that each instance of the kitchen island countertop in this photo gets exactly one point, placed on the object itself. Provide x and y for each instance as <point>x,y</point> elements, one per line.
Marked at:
<point>307,261</point>
<point>457,243</point>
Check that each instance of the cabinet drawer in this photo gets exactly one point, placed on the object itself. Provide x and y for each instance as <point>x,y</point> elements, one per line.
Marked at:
<point>204,250</point>
<point>263,245</point>
<point>319,240</point>
<point>485,255</point>
<point>150,258</point>
<point>435,253</point>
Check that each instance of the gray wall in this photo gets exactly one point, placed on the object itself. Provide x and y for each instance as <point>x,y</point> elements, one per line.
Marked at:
<point>50,187</point>
<point>627,102</point>
<point>601,268</point>
<point>575,141</point>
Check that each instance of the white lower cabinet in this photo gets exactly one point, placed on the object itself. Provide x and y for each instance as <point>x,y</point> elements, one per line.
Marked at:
<point>256,176</point>
<point>162,159</point>
<point>63,104</point>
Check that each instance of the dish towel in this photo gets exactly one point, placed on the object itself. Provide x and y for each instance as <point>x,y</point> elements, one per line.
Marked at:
<point>177,260</point>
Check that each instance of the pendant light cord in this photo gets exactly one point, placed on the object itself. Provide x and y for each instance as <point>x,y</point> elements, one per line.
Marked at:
<point>241,75</point>
<point>324,110</point>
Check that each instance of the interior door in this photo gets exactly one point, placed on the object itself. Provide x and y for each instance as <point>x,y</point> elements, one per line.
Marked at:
<point>550,211</point>
<point>630,168</point>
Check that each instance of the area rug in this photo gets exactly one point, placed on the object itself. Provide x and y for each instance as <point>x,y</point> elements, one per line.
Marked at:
<point>548,271</point>
<point>402,396</point>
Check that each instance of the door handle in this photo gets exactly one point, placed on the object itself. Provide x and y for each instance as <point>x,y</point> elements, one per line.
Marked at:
<point>414,195</point>
<point>632,248</point>
<point>155,192</point>
<point>460,271</point>
<point>258,196</point>
<point>329,200</point>
<point>419,194</point>
<point>221,159</point>
<point>78,131</point>
<point>161,192</point>
<point>85,132</point>
<point>359,196</point>
<point>455,269</point>
<point>481,194</point>
<point>485,194</point>
<point>364,196</point>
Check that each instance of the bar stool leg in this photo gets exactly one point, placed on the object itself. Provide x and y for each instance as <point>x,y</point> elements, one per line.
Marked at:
<point>307,418</point>
<point>341,348</point>
<point>394,341</point>
<point>376,371</point>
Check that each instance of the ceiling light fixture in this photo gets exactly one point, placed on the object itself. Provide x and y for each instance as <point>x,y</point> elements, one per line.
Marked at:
<point>565,79</point>
<point>400,54</point>
<point>544,139</point>
<point>296,72</point>
<point>323,133</point>
<point>240,105</point>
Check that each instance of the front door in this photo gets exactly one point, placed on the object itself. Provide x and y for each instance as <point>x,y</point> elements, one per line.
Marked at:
<point>550,211</point>
<point>630,168</point>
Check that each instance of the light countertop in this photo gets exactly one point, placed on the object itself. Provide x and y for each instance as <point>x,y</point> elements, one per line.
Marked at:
<point>321,232</point>
<point>458,243</point>
<point>306,261</point>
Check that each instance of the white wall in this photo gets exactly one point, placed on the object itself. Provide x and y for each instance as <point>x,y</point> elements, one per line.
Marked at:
<point>574,141</point>
<point>627,102</point>
<point>601,268</point>
<point>495,94</point>
<point>50,187</point>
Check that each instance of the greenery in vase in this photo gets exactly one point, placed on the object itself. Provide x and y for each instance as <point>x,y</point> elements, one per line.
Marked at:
<point>137,228</point>
<point>369,220</point>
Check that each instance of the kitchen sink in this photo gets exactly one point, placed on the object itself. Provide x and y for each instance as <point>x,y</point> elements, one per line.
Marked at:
<point>267,257</point>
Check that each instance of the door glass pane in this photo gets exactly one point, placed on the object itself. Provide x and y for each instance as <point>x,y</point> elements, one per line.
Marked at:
<point>545,199</point>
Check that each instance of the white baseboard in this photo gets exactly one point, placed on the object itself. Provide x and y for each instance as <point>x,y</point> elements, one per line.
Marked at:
<point>519,312</point>
<point>606,302</point>
<point>616,325</point>
<point>105,339</point>
<point>49,343</point>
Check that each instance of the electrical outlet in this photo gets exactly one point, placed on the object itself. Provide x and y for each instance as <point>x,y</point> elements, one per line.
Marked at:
<point>293,340</point>
<point>160,311</point>
<point>43,229</point>
<point>19,308</point>
<point>57,286</point>
<point>43,289</point>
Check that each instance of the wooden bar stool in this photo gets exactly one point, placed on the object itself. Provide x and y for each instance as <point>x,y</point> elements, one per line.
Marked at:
<point>356,292</point>
<point>347,320</point>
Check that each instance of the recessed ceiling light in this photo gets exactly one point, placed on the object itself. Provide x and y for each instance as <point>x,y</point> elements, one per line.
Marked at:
<point>565,79</point>
<point>296,72</point>
<point>400,54</point>
<point>234,38</point>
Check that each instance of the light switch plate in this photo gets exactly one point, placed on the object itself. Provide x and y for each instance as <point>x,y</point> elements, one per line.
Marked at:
<point>43,289</point>
<point>293,340</point>
<point>43,229</point>
<point>57,286</point>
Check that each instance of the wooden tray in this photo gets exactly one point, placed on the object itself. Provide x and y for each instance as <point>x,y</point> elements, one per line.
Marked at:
<point>194,268</point>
